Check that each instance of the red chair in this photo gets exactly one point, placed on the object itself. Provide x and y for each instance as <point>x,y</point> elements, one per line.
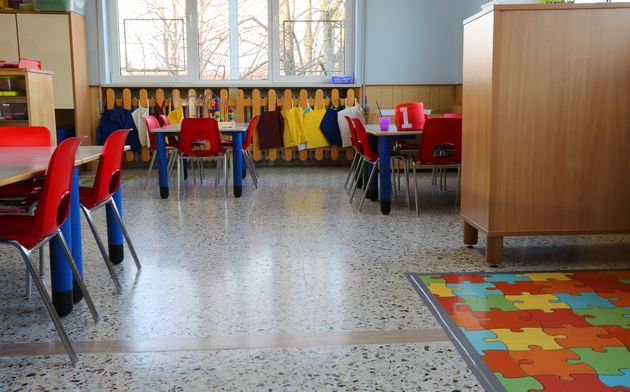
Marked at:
<point>30,233</point>
<point>24,136</point>
<point>441,148</point>
<point>249,160</point>
<point>106,183</point>
<point>409,116</point>
<point>153,123</point>
<point>369,156</point>
<point>15,195</point>
<point>200,140</point>
<point>357,160</point>
<point>453,115</point>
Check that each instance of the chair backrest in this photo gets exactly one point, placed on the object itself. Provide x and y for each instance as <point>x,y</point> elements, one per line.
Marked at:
<point>107,179</point>
<point>54,199</point>
<point>200,137</point>
<point>165,119</point>
<point>24,136</point>
<point>253,123</point>
<point>409,116</point>
<point>452,115</point>
<point>356,143</point>
<point>441,131</point>
<point>152,123</point>
<point>368,152</point>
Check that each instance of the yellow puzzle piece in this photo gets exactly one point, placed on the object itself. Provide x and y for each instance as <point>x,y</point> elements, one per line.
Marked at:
<point>527,301</point>
<point>545,276</point>
<point>440,289</point>
<point>518,341</point>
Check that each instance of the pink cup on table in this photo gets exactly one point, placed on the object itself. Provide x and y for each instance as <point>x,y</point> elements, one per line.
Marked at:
<point>384,122</point>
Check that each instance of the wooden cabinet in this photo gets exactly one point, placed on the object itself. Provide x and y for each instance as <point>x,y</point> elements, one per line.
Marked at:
<point>546,127</point>
<point>26,98</point>
<point>58,40</point>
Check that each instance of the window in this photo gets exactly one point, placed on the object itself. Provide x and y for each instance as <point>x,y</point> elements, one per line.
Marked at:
<point>228,40</point>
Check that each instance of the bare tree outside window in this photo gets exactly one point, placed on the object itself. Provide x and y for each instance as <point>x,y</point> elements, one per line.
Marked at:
<point>312,41</point>
<point>153,37</point>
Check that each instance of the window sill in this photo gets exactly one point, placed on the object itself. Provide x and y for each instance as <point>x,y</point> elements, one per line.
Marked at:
<point>243,85</point>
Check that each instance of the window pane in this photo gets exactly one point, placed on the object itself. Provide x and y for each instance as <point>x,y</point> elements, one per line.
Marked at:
<point>214,39</point>
<point>152,37</point>
<point>253,40</point>
<point>312,37</point>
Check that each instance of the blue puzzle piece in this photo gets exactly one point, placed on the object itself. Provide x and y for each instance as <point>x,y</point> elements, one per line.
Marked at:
<point>617,381</point>
<point>507,278</point>
<point>584,300</point>
<point>473,289</point>
<point>478,340</point>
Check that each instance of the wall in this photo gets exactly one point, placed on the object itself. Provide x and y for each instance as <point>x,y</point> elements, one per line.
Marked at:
<point>415,41</point>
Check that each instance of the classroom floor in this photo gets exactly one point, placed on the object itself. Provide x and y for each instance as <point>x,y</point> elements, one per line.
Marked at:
<point>288,288</point>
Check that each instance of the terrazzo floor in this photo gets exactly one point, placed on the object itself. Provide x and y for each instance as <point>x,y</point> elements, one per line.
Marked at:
<point>291,259</point>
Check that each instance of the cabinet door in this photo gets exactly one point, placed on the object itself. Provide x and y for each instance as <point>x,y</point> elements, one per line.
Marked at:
<point>47,38</point>
<point>8,38</point>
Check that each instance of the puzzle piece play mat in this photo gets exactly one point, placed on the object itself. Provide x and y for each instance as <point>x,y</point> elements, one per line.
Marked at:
<point>547,331</point>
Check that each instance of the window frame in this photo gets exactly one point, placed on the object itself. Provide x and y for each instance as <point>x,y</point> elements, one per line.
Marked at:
<point>193,76</point>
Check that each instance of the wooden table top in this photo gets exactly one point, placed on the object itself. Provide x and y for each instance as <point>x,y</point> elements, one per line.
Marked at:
<point>238,127</point>
<point>375,129</point>
<point>22,163</point>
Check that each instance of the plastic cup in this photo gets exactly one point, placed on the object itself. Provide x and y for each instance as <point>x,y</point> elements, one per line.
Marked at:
<point>384,122</point>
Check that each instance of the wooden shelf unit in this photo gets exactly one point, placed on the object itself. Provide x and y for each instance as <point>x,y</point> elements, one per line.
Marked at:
<point>39,99</point>
<point>546,132</point>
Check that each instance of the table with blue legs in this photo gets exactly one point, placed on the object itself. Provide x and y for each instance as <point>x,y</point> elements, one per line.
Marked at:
<point>22,163</point>
<point>237,132</point>
<point>384,139</point>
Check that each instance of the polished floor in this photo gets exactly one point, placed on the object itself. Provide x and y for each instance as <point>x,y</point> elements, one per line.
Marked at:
<point>287,288</point>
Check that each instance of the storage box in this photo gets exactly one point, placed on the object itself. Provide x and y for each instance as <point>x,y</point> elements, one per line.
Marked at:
<point>341,79</point>
<point>76,6</point>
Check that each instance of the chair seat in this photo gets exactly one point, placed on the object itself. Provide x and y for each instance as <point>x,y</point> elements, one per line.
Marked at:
<point>20,189</point>
<point>87,197</point>
<point>227,143</point>
<point>18,228</point>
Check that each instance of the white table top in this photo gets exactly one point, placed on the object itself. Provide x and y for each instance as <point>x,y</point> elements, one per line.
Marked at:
<point>375,129</point>
<point>238,127</point>
<point>22,163</point>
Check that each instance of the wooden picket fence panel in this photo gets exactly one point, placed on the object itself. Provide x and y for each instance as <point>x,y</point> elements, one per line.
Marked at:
<point>198,105</point>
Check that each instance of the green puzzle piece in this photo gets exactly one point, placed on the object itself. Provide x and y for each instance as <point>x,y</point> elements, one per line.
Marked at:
<point>625,281</point>
<point>428,279</point>
<point>520,384</point>
<point>606,316</point>
<point>480,304</point>
<point>606,363</point>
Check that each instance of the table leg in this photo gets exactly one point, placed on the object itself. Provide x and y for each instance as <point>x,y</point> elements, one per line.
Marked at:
<point>471,234</point>
<point>494,250</point>
<point>237,163</point>
<point>384,175</point>
<point>160,150</point>
<point>114,231</point>
<point>60,272</point>
<point>76,244</point>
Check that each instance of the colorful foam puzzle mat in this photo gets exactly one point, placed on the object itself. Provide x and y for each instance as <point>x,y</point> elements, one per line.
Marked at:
<point>537,331</point>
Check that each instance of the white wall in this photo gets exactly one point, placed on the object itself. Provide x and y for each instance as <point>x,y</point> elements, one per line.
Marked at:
<point>415,41</point>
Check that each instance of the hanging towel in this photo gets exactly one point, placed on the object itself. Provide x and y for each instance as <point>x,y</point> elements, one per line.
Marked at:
<point>158,111</point>
<point>314,136</point>
<point>176,116</point>
<point>330,126</point>
<point>352,112</point>
<point>293,127</point>
<point>270,129</point>
<point>138,118</point>
<point>113,120</point>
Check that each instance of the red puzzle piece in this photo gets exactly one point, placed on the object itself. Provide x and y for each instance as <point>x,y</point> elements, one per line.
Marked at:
<point>617,332</point>
<point>520,287</point>
<point>449,303</point>
<point>572,287</point>
<point>591,337</point>
<point>500,361</point>
<point>473,278</point>
<point>600,281</point>
<point>557,318</point>
<point>622,298</point>
<point>539,362</point>
<point>580,383</point>
<point>514,320</point>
